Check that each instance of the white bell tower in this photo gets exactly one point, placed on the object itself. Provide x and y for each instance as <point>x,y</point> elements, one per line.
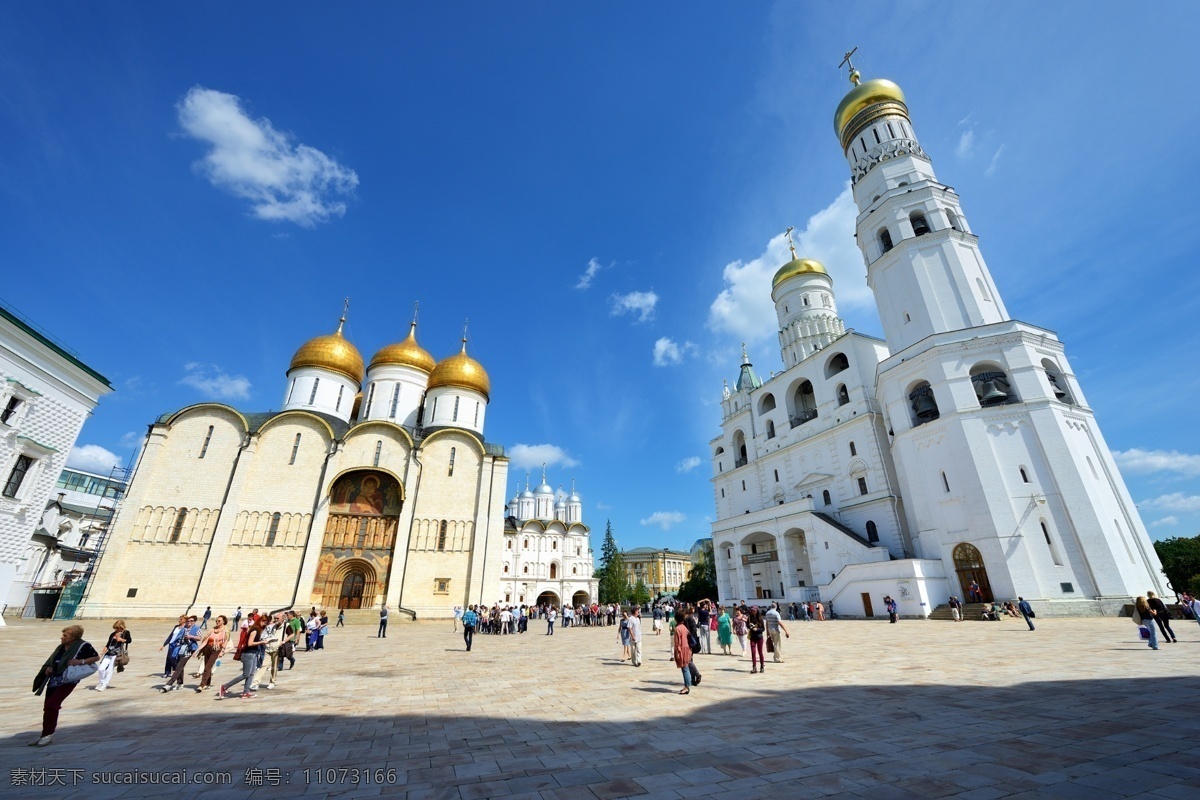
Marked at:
<point>1005,474</point>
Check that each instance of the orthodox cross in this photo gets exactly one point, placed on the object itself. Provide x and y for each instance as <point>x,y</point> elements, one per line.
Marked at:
<point>846,63</point>
<point>791,244</point>
<point>345,311</point>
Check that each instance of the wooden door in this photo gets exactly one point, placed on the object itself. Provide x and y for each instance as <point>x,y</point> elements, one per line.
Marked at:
<point>867,610</point>
<point>352,590</point>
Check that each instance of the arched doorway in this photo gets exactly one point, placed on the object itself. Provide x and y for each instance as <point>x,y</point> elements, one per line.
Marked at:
<point>352,590</point>
<point>548,598</point>
<point>360,537</point>
<point>553,571</point>
<point>968,564</point>
<point>580,599</point>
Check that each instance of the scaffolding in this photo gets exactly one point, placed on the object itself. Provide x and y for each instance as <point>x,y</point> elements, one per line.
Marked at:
<point>75,593</point>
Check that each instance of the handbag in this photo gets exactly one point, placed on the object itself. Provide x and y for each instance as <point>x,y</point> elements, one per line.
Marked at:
<point>122,659</point>
<point>76,673</point>
<point>693,642</point>
<point>770,645</point>
<point>1143,632</point>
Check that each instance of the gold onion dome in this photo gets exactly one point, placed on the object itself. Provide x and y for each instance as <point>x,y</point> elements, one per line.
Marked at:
<point>798,266</point>
<point>881,94</point>
<point>463,371</point>
<point>407,353</point>
<point>330,352</point>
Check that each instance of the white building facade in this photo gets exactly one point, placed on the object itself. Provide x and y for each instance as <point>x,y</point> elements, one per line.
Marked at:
<point>547,557</point>
<point>46,394</point>
<point>959,451</point>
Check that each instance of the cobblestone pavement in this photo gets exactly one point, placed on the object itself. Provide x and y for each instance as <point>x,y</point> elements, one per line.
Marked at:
<point>1077,709</point>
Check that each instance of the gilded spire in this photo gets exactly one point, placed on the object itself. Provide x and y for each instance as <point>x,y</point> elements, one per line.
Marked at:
<point>342,321</point>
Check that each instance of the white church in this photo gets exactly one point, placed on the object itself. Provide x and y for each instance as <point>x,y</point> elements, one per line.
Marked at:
<point>958,451</point>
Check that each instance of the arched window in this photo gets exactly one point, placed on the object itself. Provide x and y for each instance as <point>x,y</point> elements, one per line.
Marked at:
<point>295,450</point>
<point>739,448</point>
<point>456,399</point>
<point>825,496</point>
<point>378,451</point>
<point>506,569</point>
<point>274,529</point>
<point>919,225</point>
<point>983,292</point>
<point>574,570</point>
<point>872,531</point>
<point>207,439</point>
<point>805,402</point>
<point>945,481</point>
<point>453,452</point>
<point>843,396</point>
<point>441,541</point>
<point>291,389</point>
<point>526,569</point>
<point>338,405</point>
<point>312,397</point>
<point>177,529</point>
<point>510,544</point>
<point>1058,383</point>
<point>836,363</point>
<point>862,486</point>
<point>1024,476</point>
<point>885,240</point>
<point>770,429</point>
<point>991,385</point>
<point>553,571</point>
<point>395,400</point>
<point>525,545</point>
<point>767,403</point>
<point>1050,543</point>
<point>853,449</point>
<point>953,220</point>
<point>554,545</point>
<point>923,404</point>
<point>371,399</point>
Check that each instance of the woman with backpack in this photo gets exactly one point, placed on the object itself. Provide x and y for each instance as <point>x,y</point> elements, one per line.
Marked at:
<point>755,628</point>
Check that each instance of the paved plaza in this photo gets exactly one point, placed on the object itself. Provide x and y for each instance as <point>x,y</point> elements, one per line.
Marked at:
<point>861,709</point>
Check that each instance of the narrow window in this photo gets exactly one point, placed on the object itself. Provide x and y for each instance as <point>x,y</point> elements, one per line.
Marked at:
<point>1050,543</point>
<point>862,485</point>
<point>853,450</point>
<point>777,476</point>
<point>476,413</point>
<point>770,429</point>
<point>907,318</point>
<point>872,531</point>
<point>743,486</point>
<point>441,543</point>
<point>825,496</point>
<point>525,546</point>
<point>295,450</point>
<point>1024,475</point>
<point>10,409</point>
<point>455,419</point>
<point>863,142</point>
<point>885,239</point>
<point>338,405</point>
<point>453,451</point>
<point>274,529</point>
<point>805,299</point>
<point>207,439</point>
<point>891,132</point>
<point>312,397</point>
<point>722,493</point>
<point>876,132</point>
<point>291,389</point>
<point>177,529</point>
<point>395,400</point>
<point>13,484</point>
<point>370,400</point>
<point>983,290</point>
<point>378,452</point>
<point>945,482</point>
<point>362,533</point>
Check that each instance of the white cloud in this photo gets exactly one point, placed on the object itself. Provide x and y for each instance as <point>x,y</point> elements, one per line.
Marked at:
<point>744,307</point>
<point>991,170</point>
<point>93,458</point>
<point>529,456</point>
<point>132,439</point>
<point>1144,462</point>
<point>1176,501</point>
<point>664,519</point>
<point>688,464</point>
<point>966,144</point>
<point>668,352</point>
<point>250,159</point>
<point>603,507</point>
<point>589,275</point>
<point>211,381</point>
<point>640,303</point>
<point>1165,521</point>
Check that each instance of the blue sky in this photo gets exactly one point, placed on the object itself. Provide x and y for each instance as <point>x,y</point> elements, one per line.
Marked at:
<point>186,195</point>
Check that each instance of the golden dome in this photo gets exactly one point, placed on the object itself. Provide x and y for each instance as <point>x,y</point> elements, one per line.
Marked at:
<point>407,353</point>
<point>798,266</point>
<point>878,92</point>
<point>461,370</point>
<point>330,352</point>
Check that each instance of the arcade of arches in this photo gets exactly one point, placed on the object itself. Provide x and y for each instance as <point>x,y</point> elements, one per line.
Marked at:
<point>360,538</point>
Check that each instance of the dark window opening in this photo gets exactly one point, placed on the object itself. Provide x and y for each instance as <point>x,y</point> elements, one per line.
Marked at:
<point>872,532</point>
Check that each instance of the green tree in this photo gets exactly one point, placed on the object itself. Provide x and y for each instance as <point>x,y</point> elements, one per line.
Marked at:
<point>614,585</point>
<point>641,593</point>
<point>1180,559</point>
<point>702,583</point>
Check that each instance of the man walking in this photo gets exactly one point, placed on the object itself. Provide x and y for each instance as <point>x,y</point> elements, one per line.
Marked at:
<point>955,608</point>
<point>774,628</point>
<point>1026,611</point>
<point>383,614</point>
<point>635,635</point>
<point>237,619</point>
<point>207,616</point>
<point>341,623</point>
<point>469,618</point>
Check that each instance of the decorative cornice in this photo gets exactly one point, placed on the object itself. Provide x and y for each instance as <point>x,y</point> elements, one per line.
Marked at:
<point>896,148</point>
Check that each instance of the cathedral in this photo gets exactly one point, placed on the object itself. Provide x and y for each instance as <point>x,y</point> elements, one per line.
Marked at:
<point>956,457</point>
<point>372,485</point>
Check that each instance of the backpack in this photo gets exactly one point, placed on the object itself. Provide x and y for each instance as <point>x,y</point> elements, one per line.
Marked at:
<point>693,642</point>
